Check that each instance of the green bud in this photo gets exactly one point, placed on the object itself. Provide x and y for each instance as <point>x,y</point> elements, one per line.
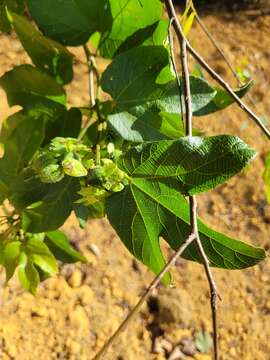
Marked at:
<point>73,167</point>
<point>51,174</point>
<point>92,194</point>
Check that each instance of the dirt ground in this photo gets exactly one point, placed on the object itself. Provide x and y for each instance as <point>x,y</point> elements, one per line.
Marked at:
<point>74,313</point>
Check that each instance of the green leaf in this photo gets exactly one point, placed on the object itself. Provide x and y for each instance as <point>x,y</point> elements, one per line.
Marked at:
<point>203,341</point>
<point>59,245</point>
<point>29,87</point>
<point>128,16</point>
<point>21,140</point>
<point>52,211</point>
<point>40,255</point>
<point>65,123</point>
<point>25,190</point>
<point>70,22</point>
<point>11,254</point>
<point>73,167</point>
<point>13,5</point>
<point>45,53</point>
<point>151,206</point>
<point>28,274</point>
<point>198,163</point>
<point>131,81</point>
<point>85,213</point>
<point>223,99</point>
<point>266,176</point>
<point>155,34</point>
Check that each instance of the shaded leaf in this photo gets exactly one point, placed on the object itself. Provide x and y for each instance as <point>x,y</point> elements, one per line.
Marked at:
<point>45,53</point>
<point>22,135</point>
<point>223,99</point>
<point>53,210</point>
<point>29,87</point>
<point>59,245</point>
<point>13,5</point>
<point>21,140</point>
<point>65,123</point>
<point>85,213</point>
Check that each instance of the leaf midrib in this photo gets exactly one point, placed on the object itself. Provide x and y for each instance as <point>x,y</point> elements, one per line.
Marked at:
<point>187,222</point>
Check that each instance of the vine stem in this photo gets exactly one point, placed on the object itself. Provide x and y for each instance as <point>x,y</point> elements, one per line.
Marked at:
<point>91,68</point>
<point>180,34</point>
<point>192,199</point>
<point>144,297</point>
<point>93,72</point>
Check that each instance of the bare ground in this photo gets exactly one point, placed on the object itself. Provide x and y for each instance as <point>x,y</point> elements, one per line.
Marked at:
<point>73,314</point>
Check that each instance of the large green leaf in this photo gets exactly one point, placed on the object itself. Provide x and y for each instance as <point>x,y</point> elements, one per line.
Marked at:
<point>128,17</point>
<point>52,211</point>
<point>62,249</point>
<point>13,5</point>
<point>70,22</point>
<point>222,100</point>
<point>131,80</point>
<point>45,53</point>
<point>31,88</point>
<point>198,163</point>
<point>151,206</point>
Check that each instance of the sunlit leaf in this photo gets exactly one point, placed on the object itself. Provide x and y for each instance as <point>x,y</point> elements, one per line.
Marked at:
<point>70,22</point>
<point>131,81</point>
<point>151,206</point>
<point>128,16</point>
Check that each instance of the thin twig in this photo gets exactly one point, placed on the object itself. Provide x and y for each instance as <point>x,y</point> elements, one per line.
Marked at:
<point>222,53</point>
<point>93,95</point>
<point>172,57</point>
<point>91,67</point>
<point>192,199</point>
<point>144,297</point>
<point>180,34</point>
<point>216,45</point>
<point>211,281</point>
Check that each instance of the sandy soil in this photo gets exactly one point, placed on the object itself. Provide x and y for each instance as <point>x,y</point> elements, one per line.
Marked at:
<point>73,314</point>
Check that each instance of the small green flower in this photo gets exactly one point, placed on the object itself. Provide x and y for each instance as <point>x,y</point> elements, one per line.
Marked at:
<point>73,167</point>
<point>51,174</point>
